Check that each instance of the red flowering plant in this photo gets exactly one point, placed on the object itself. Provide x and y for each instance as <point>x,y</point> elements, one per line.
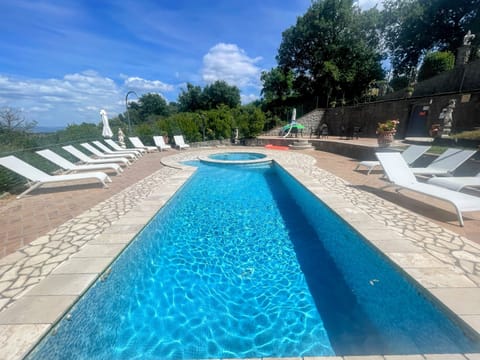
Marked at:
<point>388,126</point>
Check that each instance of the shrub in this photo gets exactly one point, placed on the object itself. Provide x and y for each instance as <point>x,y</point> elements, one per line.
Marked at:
<point>436,63</point>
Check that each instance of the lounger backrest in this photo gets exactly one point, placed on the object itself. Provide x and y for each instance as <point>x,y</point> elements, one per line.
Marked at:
<point>113,144</point>
<point>159,141</point>
<point>136,142</point>
<point>413,152</point>
<point>75,152</point>
<point>451,159</point>
<point>396,168</point>
<point>22,168</point>
<point>92,149</point>
<point>101,146</point>
<point>179,140</point>
<point>56,159</point>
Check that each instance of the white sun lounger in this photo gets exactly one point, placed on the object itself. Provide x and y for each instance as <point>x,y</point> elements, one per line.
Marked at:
<point>88,160</point>
<point>456,183</point>
<point>71,167</point>
<point>446,163</point>
<point>38,178</point>
<point>138,144</point>
<point>160,143</point>
<point>180,142</point>
<point>107,150</point>
<point>102,155</point>
<point>115,146</point>
<point>402,176</point>
<point>411,154</point>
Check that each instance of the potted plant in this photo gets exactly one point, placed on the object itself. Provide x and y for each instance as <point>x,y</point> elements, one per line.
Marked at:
<point>386,132</point>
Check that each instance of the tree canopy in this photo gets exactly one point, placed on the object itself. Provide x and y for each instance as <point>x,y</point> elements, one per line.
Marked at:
<point>435,63</point>
<point>415,27</point>
<point>219,93</point>
<point>332,50</point>
<point>148,105</point>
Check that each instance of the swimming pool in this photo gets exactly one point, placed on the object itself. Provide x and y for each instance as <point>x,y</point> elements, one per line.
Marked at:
<point>236,158</point>
<point>248,278</point>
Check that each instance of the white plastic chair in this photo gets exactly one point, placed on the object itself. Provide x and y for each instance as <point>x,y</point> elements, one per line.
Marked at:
<point>180,142</point>
<point>402,176</point>
<point>456,183</point>
<point>117,147</point>
<point>71,167</point>
<point>160,143</point>
<point>446,163</point>
<point>107,150</point>
<point>88,160</point>
<point>101,155</point>
<point>138,144</point>
<point>411,154</point>
<point>38,178</point>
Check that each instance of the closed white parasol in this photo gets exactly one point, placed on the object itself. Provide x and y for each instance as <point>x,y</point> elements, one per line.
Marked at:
<point>106,132</point>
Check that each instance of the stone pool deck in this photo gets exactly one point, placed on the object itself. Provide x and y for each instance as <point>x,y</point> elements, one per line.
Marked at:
<point>40,281</point>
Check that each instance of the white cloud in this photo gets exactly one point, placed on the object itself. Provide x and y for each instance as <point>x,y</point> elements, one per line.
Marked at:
<point>367,4</point>
<point>138,84</point>
<point>246,99</point>
<point>75,98</point>
<point>230,63</point>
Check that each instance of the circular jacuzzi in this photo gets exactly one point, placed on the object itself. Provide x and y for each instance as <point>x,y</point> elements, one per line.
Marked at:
<point>236,158</point>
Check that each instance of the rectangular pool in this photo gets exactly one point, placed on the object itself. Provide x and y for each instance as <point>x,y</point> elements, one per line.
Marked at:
<point>245,262</point>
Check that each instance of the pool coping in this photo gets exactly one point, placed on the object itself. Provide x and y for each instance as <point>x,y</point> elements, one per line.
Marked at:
<point>30,317</point>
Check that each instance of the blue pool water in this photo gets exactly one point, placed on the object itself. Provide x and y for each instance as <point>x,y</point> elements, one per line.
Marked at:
<point>243,262</point>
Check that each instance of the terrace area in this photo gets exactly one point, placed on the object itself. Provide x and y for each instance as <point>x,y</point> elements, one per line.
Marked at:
<point>56,242</point>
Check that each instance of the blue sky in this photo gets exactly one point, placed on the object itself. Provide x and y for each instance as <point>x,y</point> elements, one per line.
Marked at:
<point>62,61</point>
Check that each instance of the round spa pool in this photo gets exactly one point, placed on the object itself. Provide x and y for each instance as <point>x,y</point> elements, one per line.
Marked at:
<point>236,158</point>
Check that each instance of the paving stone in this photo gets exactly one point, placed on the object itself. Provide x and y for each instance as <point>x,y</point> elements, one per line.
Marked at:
<point>35,260</point>
<point>36,310</point>
<point>17,339</point>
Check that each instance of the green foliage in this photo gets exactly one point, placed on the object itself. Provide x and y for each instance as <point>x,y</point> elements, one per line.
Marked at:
<point>436,63</point>
<point>414,27</point>
<point>191,99</point>
<point>218,93</point>
<point>399,82</point>
<point>250,121</point>
<point>277,84</point>
<point>81,132</point>
<point>332,50</point>
<point>147,106</point>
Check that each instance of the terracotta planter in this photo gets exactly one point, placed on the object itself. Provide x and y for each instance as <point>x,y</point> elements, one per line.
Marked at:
<point>385,138</point>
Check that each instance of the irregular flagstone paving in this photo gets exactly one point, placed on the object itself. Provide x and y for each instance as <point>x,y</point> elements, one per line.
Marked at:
<point>450,253</point>
<point>20,271</point>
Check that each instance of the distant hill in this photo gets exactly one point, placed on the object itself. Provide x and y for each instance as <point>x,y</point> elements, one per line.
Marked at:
<point>47,129</point>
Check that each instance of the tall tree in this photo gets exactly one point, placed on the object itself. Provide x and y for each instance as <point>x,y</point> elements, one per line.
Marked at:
<point>220,93</point>
<point>150,104</point>
<point>332,50</point>
<point>414,27</point>
<point>12,119</point>
<point>277,84</point>
<point>190,99</point>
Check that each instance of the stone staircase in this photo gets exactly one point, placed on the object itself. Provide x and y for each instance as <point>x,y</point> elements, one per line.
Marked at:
<point>310,120</point>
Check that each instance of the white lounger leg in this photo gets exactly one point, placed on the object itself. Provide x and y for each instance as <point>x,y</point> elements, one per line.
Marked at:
<point>31,188</point>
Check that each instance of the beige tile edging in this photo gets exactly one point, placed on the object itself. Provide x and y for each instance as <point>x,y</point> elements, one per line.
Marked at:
<point>24,322</point>
<point>445,264</point>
